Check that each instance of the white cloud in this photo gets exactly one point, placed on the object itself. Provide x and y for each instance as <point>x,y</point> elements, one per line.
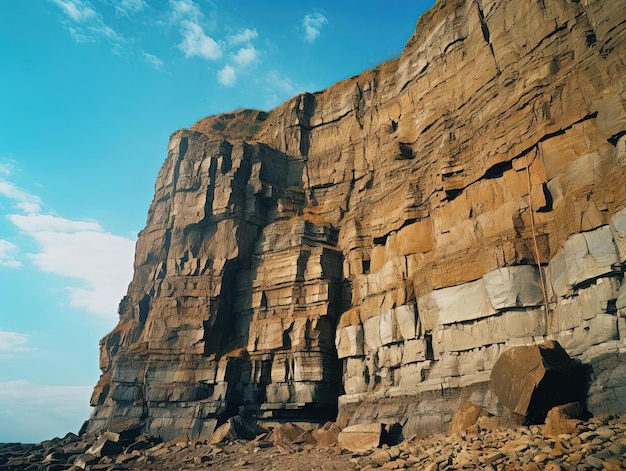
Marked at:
<point>35,412</point>
<point>244,36</point>
<point>227,76</point>
<point>245,56</point>
<point>185,9</point>
<point>87,25</point>
<point>7,259</point>
<point>153,60</point>
<point>197,43</point>
<point>100,261</point>
<point>129,7</point>
<point>78,10</point>
<point>313,24</point>
<point>12,341</point>
<point>23,200</point>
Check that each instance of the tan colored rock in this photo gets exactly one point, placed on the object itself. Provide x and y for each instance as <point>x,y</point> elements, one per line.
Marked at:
<point>361,437</point>
<point>466,415</point>
<point>397,220</point>
<point>564,419</point>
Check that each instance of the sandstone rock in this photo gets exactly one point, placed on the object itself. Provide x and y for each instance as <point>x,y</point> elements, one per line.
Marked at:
<point>564,419</point>
<point>286,433</point>
<point>384,237</point>
<point>327,435</point>
<point>531,380</point>
<point>360,438</point>
<point>466,415</point>
<point>236,428</point>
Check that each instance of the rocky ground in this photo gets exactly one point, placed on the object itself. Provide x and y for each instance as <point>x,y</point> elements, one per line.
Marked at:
<point>598,443</point>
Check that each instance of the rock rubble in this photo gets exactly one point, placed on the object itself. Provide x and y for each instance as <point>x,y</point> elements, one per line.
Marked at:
<point>598,443</point>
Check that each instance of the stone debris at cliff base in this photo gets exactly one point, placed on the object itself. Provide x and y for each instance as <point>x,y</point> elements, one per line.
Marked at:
<point>598,443</point>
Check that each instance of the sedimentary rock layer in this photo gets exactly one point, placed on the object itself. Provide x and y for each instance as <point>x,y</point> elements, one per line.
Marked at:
<point>373,247</point>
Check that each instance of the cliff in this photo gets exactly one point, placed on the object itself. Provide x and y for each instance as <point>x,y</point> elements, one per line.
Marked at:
<point>367,251</point>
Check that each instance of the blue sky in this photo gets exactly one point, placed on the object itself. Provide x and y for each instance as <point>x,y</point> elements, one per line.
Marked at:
<point>89,93</point>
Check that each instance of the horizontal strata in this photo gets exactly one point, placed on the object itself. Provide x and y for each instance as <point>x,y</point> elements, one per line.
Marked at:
<point>365,252</point>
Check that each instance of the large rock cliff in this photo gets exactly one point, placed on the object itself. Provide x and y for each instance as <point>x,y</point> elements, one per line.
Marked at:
<point>370,249</point>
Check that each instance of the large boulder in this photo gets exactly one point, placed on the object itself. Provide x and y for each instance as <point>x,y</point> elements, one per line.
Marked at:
<point>530,380</point>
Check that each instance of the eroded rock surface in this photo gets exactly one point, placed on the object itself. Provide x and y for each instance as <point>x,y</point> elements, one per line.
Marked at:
<point>372,248</point>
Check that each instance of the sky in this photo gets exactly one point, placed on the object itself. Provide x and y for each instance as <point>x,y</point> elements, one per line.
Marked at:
<point>90,91</point>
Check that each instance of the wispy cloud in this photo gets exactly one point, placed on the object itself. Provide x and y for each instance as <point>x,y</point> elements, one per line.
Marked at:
<point>6,168</point>
<point>153,60</point>
<point>243,58</point>
<point>23,200</point>
<point>227,76</point>
<point>86,24</point>
<point>129,7</point>
<point>77,10</point>
<point>98,262</point>
<point>313,24</point>
<point>54,409</point>
<point>7,259</point>
<point>13,342</point>
<point>277,87</point>
<point>242,37</point>
<point>195,43</point>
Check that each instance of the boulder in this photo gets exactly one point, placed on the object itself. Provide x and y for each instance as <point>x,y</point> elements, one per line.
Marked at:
<point>466,415</point>
<point>327,435</point>
<point>107,444</point>
<point>236,428</point>
<point>286,433</point>
<point>361,437</point>
<point>530,380</point>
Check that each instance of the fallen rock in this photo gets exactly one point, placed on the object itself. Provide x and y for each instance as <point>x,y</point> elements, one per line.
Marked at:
<point>361,437</point>
<point>564,419</point>
<point>236,428</point>
<point>530,380</point>
<point>466,415</point>
<point>286,434</point>
<point>327,435</point>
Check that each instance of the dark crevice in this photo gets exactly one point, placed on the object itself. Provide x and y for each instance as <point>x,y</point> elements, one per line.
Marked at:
<point>497,170</point>
<point>452,194</point>
<point>460,40</point>
<point>549,200</point>
<point>615,138</point>
<point>486,35</point>
<point>380,240</point>
<point>406,151</point>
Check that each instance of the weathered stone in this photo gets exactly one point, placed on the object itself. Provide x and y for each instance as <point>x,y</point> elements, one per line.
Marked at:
<point>107,444</point>
<point>327,435</point>
<point>466,415</point>
<point>361,437</point>
<point>530,380</point>
<point>236,428</point>
<point>278,243</point>
<point>564,419</point>
<point>511,287</point>
<point>618,230</point>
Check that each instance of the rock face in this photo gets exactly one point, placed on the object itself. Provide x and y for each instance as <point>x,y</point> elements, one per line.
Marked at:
<point>371,249</point>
